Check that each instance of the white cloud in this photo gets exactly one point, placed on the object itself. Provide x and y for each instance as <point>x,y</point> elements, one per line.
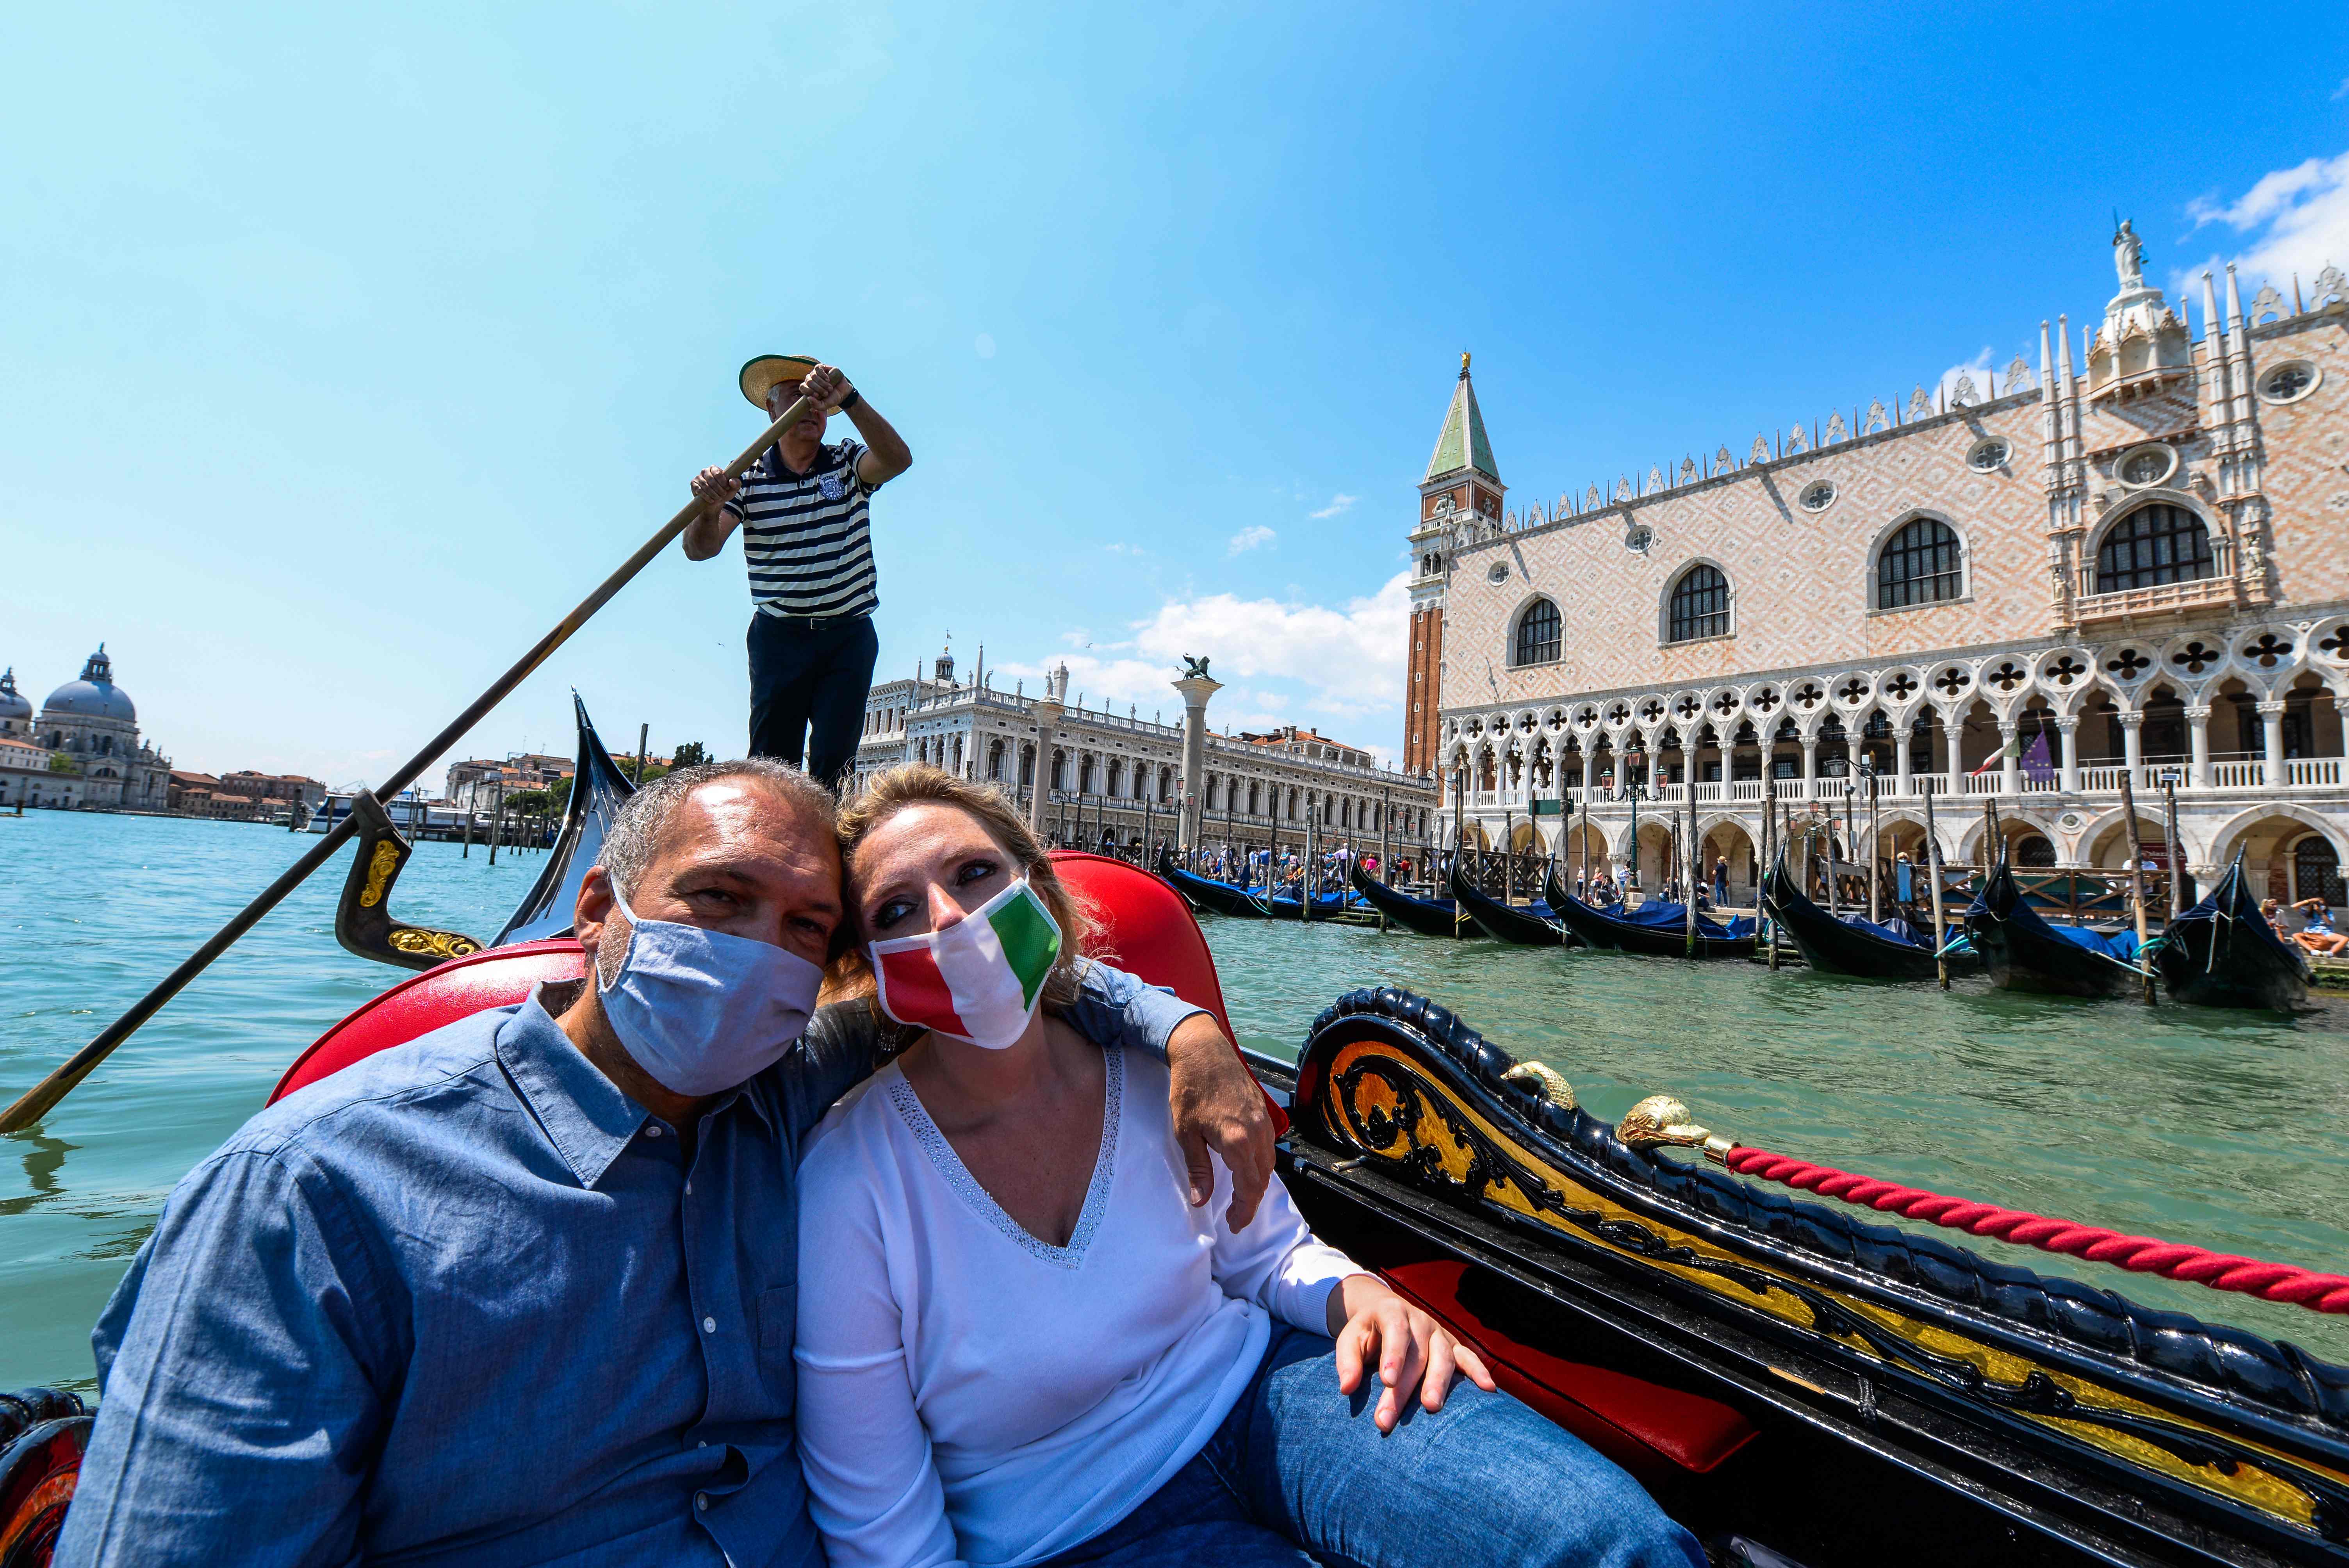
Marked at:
<point>984,345</point>
<point>1337,664</point>
<point>1337,503</point>
<point>1248,539</point>
<point>2342,91</point>
<point>2295,220</point>
<point>1121,548</point>
<point>1349,659</point>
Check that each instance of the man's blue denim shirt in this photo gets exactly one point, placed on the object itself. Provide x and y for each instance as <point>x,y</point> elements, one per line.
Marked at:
<point>466,1302</point>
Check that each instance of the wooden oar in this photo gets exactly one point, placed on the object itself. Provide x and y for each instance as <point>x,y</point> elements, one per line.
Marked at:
<point>39,1099</point>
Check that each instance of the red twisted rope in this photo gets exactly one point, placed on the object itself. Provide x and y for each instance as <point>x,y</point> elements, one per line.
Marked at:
<point>2141,1254</point>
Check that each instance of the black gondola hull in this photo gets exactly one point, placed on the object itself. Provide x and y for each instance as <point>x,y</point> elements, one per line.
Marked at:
<point>2114,1435</point>
<point>1501,922</point>
<point>1832,945</point>
<point>1600,929</point>
<point>1424,915</point>
<point>2221,953</point>
<point>1215,897</point>
<point>2023,953</point>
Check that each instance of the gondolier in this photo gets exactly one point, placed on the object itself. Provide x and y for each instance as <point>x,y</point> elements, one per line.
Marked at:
<point>807,541</point>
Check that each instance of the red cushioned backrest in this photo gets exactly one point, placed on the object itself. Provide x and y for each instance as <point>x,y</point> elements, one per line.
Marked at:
<point>442,995</point>
<point>1147,928</point>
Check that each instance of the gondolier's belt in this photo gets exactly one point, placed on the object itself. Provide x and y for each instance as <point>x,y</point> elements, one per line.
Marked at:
<point>816,622</point>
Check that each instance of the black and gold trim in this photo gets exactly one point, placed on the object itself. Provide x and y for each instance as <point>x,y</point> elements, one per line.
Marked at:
<point>2259,1432</point>
<point>363,921</point>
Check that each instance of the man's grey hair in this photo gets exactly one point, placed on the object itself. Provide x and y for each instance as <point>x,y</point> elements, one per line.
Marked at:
<point>635,834</point>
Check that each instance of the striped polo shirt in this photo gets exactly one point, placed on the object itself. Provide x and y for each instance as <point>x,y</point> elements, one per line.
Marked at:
<point>806,538</point>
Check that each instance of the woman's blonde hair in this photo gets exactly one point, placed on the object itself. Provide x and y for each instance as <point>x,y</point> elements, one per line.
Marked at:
<point>894,790</point>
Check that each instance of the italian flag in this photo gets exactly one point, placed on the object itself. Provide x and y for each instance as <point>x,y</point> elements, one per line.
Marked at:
<point>976,980</point>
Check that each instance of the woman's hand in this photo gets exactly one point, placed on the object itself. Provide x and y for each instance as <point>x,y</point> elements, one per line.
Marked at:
<point>1370,1321</point>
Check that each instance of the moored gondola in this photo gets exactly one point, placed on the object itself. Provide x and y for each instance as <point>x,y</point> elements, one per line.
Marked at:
<point>1215,897</point>
<point>2024,952</point>
<point>1657,929</point>
<point>2223,954</point>
<point>1427,917</point>
<point>1846,944</point>
<point>1518,924</point>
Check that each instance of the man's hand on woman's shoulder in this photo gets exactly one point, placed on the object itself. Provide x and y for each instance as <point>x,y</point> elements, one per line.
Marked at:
<point>1218,1107</point>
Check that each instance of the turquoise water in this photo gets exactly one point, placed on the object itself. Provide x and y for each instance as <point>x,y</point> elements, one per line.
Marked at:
<point>2219,1129</point>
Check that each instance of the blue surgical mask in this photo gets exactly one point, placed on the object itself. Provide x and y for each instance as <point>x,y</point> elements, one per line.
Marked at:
<point>702,1011</point>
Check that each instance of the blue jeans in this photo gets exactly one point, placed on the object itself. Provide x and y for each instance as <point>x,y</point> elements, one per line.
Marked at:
<point>807,688</point>
<point>1298,1474</point>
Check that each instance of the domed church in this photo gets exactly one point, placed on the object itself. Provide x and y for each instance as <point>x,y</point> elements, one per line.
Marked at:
<point>92,724</point>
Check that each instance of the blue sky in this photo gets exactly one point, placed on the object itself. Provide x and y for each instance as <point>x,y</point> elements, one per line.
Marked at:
<point>342,352</point>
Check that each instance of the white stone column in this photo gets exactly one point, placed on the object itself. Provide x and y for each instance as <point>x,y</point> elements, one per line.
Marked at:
<point>2010,770</point>
<point>1810,767</point>
<point>2197,729</point>
<point>2132,747</point>
<point>2067,732</point>
<point>1901,770</point>
<point>1195,690</point>
<point>2271,725</point>
<point>1953,732</point>
<point>1047,724</point>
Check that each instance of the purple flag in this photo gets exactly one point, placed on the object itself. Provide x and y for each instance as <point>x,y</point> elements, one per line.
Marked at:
<point>2036,764</point>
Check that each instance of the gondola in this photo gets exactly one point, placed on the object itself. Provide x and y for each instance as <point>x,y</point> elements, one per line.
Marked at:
<point>1846,944</point>
<point>1427,917</point>
<point>1522,925</point>
<point>1657,929</point>
<point>1215,897</point>
<point>1797,1383</point>
<point>2024,952</point>
<point>2223,954</point>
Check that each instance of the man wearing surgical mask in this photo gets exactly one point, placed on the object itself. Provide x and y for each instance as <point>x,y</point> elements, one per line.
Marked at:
<point>521,1290</point>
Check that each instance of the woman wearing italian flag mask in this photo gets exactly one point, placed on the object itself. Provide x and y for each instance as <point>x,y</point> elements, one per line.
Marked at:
<point>1018,1340</point>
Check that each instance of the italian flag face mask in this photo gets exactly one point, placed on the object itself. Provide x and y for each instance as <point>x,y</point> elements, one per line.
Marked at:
<point>981,978</point>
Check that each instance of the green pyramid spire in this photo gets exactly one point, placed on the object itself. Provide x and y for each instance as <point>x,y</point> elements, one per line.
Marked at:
<point>1463,444</point>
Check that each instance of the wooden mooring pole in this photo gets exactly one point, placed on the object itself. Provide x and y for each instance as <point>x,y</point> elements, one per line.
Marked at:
<point>2137,880</point>
<point>1933,878</point>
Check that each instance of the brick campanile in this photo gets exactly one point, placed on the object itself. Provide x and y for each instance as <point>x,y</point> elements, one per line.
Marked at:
<point>1462,490</point>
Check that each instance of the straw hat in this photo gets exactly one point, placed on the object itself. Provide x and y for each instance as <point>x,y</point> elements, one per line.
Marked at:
<point>768,370</point>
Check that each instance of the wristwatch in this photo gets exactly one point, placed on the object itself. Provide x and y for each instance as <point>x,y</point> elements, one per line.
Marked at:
<point>852,400</point>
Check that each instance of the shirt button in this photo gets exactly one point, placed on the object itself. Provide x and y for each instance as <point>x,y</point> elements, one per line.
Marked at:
<point>688,1189</point>
<point>702,1444</point>
<point>701,1502</point>
<point>652,1130</point>
<point>708,1325</point>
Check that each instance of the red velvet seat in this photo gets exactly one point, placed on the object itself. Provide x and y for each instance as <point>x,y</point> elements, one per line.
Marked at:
<point>423,1003</point>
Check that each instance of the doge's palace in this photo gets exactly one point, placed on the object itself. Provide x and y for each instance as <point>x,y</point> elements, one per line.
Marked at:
<point>2134,559</point>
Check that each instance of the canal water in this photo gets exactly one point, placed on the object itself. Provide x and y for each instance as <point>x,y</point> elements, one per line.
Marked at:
<point>2221,1128</point>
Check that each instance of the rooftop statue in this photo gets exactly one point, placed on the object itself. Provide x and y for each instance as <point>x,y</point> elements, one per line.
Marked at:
<point>1195,669</point>
<point>2129,256</point>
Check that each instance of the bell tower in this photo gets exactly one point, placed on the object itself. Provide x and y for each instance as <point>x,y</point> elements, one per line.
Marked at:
<point>1459,497</point>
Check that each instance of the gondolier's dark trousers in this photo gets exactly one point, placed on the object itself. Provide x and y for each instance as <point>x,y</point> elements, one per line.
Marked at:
<point>807,683</point>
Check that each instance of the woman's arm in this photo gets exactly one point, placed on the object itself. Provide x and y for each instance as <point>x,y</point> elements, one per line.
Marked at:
<point>873,1491</point>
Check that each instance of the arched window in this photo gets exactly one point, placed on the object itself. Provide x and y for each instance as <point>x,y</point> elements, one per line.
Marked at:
<point>2033,851</point>
<point>2151,546</point>
<point>1538,634</point>
<point>1918,565</point>
<point>2316,870</point>
<point>1699,604</point>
